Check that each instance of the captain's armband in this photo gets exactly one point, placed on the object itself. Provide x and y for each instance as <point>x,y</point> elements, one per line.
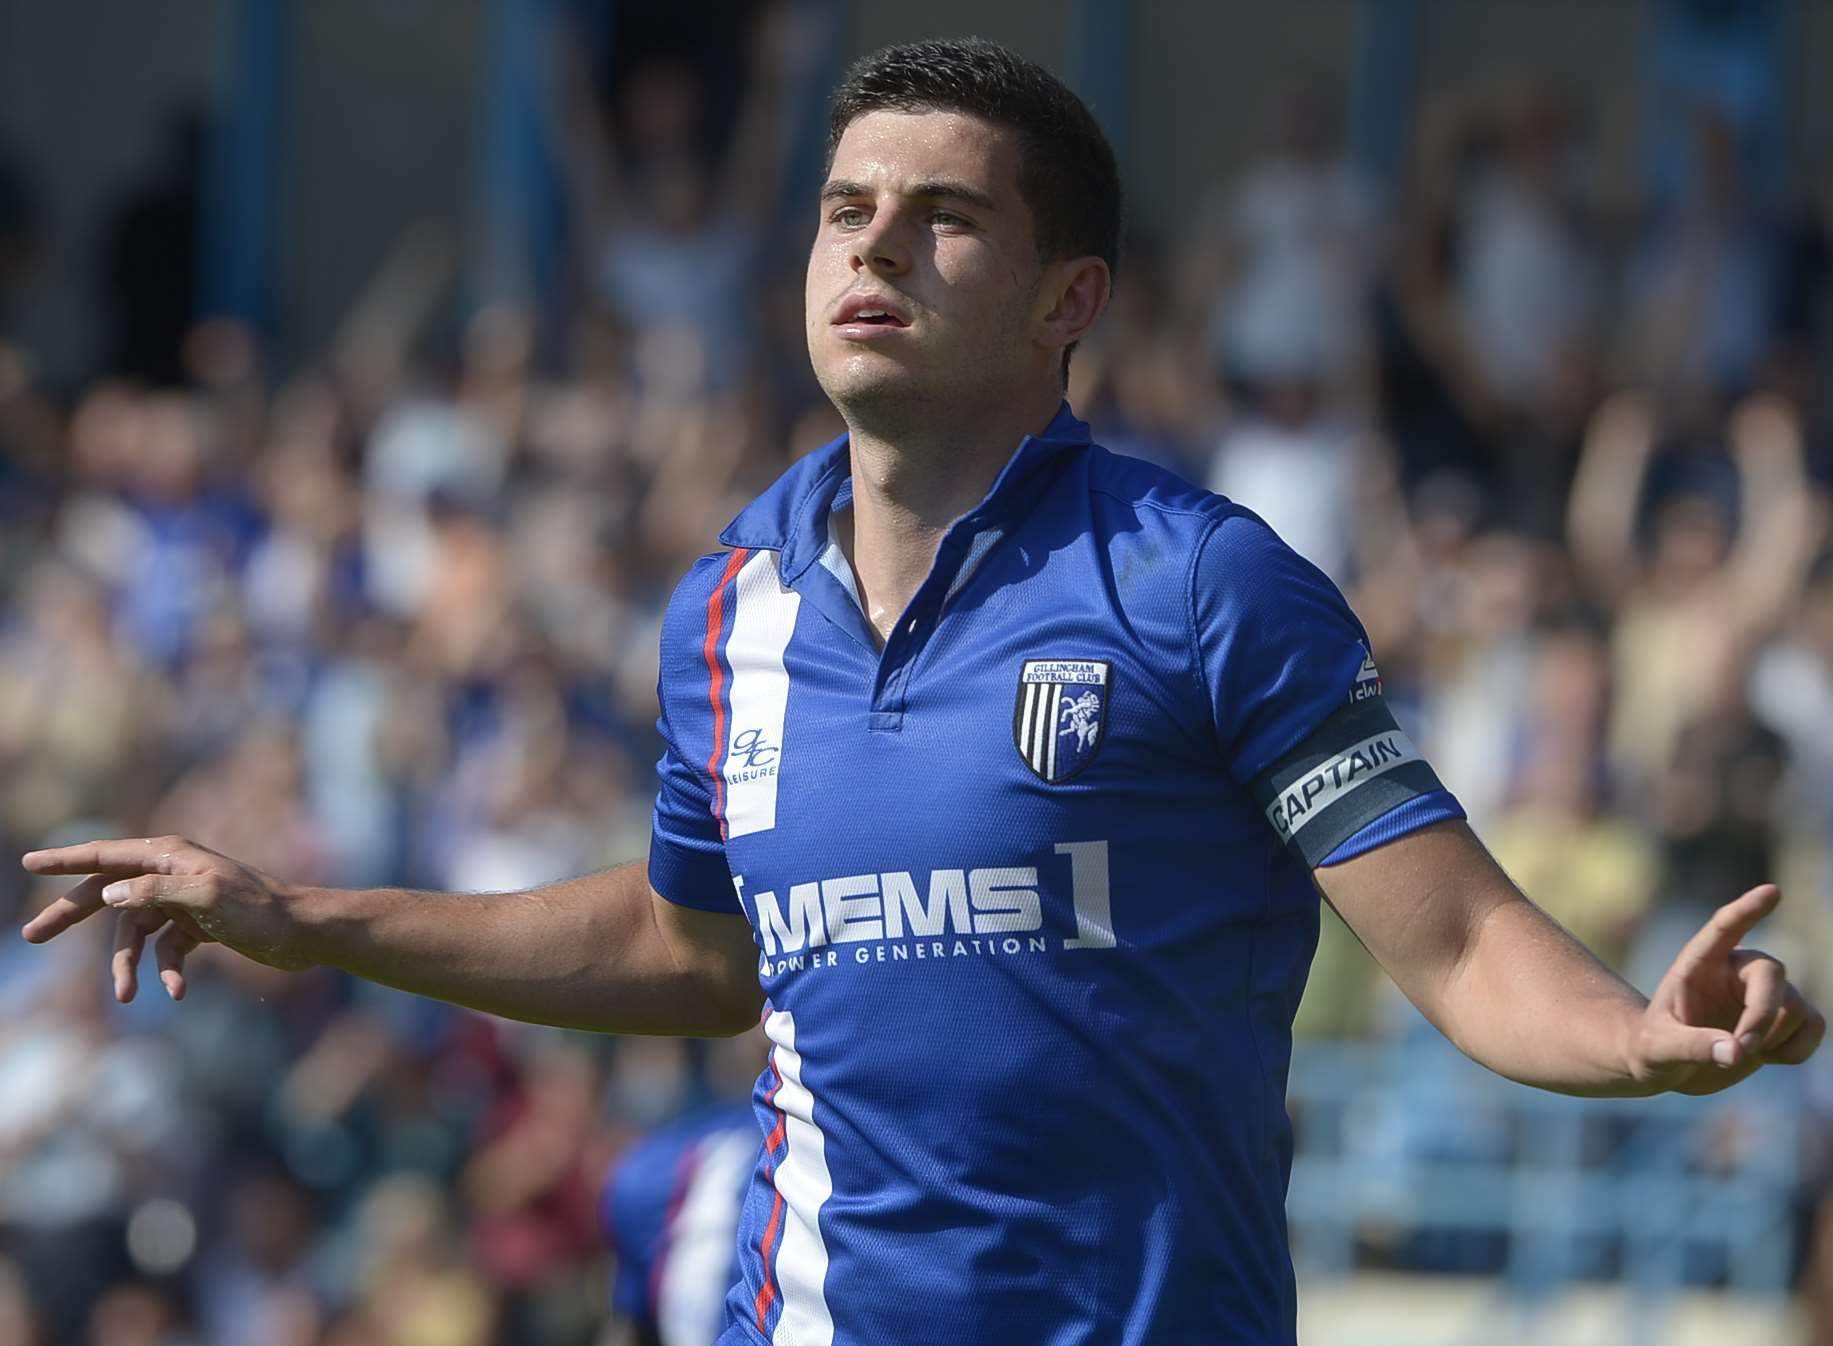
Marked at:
<point>1354,767</point>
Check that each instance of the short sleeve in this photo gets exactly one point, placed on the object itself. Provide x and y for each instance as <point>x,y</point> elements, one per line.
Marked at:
<point>1296,698</point>
<point>687,854</point>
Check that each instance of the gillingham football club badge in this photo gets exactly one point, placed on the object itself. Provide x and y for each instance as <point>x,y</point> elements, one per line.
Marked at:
<point>1061,715</point>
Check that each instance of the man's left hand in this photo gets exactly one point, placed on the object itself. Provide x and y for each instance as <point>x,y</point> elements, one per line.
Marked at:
<point>1722,1012</point>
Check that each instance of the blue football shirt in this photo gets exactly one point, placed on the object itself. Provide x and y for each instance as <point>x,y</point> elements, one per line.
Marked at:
<point>669,1210</point>
<point>1030,887</point>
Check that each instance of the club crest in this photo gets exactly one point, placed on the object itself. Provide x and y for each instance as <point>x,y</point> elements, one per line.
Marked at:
<point>1061,715</point>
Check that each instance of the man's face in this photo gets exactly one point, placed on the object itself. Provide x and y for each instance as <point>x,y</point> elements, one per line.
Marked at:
<point>922,223</point>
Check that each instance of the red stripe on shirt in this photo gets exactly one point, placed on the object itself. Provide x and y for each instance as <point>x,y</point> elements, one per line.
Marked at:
<point>766,1294</point>
<point>715,621</point>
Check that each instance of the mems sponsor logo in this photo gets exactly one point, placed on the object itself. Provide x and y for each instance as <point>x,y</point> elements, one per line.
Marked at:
<point>887,906</point>
<point>1322,786</point>
<point>900,916</point>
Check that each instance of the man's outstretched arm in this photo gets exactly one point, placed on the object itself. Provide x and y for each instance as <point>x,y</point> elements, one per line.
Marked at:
<point>603,952</point>
<point>1516,992</point>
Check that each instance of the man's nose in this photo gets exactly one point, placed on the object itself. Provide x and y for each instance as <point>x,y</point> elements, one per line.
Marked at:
<point>880,246</point>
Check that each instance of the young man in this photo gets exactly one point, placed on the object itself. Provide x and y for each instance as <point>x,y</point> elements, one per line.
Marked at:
<point>1004,767</point>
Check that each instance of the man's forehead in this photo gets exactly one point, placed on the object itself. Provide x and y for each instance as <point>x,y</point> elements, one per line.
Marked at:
<point>898,149</point>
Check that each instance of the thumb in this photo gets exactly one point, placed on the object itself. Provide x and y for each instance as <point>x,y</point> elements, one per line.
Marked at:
<point>1672,1043</point>
<point>144,890</point>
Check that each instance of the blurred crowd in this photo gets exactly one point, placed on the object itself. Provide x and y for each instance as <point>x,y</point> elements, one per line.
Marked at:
<point>388,616</point>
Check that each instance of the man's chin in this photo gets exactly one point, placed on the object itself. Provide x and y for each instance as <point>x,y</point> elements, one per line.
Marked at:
<point>875,385</point>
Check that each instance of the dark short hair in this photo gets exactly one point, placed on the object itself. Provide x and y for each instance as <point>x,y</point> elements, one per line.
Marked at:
<point>1067,174</point>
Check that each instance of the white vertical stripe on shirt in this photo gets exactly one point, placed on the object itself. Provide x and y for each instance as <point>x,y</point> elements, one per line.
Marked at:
<point>691,1300</point>
<point>1024,721</point>
<point>1040,744</point>
<point>805,1184</point>
<point>1050,728</point>
<point>1043,730</point>
<point>1035,712</point>
<point>763,620</point>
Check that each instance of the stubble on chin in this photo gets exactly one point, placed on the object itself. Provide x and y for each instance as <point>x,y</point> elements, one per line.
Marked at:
<point>891,398</point>
<point>885,404</point>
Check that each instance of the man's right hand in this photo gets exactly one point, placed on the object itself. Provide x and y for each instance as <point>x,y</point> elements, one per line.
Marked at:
<point>603,952</point>
<point>183,893</point>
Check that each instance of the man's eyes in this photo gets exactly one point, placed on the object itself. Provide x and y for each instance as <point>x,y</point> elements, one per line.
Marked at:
<point>856,217</point>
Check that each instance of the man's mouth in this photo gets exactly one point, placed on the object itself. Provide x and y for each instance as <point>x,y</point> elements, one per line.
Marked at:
<point>864,312</point>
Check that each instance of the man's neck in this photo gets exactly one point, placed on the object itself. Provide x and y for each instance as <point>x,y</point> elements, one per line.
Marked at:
<point>910,484</point>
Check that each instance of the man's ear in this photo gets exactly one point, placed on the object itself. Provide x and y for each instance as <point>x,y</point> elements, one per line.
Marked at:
<point>1080,287</point>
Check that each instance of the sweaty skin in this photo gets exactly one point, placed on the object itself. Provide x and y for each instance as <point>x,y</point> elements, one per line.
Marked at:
<point>921,213</point>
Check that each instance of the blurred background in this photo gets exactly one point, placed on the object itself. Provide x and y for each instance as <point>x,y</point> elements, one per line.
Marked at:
<point>370,369</point>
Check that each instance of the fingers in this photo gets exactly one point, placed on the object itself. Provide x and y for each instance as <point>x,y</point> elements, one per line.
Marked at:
<point>131,930</point>
<point>136,919</point>
<point>124,856</point>
<point>98,891</point>
<point>101,861</point>
<point>171,949</point>
<point>1778,1023</point>
<point>1797,1032</point>
<point>1729,924</point>
<point>1765,989</point>
<point>80,903</point>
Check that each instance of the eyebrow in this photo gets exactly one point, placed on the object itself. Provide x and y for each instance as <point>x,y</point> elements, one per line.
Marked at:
<point>842,188</point>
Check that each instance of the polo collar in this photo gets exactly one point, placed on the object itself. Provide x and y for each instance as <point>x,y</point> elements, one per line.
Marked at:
<point>791,516</point>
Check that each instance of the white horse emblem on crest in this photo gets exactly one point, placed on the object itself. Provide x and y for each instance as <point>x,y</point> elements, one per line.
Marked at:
<point>1084,717</point>
<point>1061,715</point>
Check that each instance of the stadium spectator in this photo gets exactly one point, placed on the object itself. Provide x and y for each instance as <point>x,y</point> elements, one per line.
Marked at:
<point>413,1288</point>
<point>672,242</point>
<point>529,1188</point>
<point>1703,306</point>
<point>1730,538</point>
<point>1284,257</point>
<point>261,1282</point>
<point>1489,319</point>
<point>1526,267</point>
<point>1147,379</point>
<point>1556,834</point>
